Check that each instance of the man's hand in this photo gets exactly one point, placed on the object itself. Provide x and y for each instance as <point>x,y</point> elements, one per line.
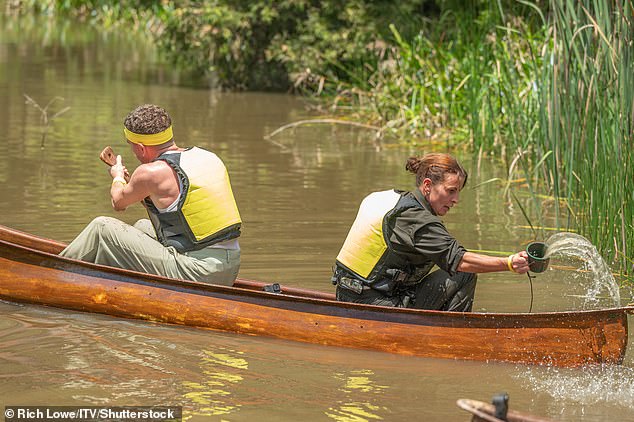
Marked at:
<point>108,156</point>
<point>118,169</point>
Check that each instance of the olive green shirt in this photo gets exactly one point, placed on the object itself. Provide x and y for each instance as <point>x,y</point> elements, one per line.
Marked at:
<point>421,237</point>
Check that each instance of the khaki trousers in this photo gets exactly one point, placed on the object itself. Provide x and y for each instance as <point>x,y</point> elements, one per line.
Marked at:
<point>112,242</point>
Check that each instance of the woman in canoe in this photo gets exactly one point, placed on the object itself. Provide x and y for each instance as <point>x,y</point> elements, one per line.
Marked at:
<point>397,237</point>
<point>194,223</point>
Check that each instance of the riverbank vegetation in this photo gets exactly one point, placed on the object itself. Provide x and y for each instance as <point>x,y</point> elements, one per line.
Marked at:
<point>545,86</point>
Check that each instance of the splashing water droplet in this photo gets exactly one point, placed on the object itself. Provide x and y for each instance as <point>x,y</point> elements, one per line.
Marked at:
<point>599,385</point>
<point>578,247</point>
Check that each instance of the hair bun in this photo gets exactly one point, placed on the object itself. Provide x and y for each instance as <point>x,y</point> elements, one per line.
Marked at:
<point>413,164</point>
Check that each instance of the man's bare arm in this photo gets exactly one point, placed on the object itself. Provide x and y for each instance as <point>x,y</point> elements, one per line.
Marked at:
<point>125,194</point>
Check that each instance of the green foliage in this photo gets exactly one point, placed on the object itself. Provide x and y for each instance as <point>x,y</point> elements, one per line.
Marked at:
<point>276,44</point>
<point>138,15</point>
<point>463,76</point>
<point>587,118</point>
<point>558,100</point>
<point>550,88</point>
<point>264,44</point>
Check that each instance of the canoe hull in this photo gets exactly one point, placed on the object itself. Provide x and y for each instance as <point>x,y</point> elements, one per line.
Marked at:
<point>35,274</point>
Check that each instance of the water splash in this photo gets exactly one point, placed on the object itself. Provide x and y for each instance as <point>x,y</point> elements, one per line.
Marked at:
<point>574,246</point>
<point>589,387</point>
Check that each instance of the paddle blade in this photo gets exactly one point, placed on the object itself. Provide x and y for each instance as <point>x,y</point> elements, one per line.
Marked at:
<point>109,157</point>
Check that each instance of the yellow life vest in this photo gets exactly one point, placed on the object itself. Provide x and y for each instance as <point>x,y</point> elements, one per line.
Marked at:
<point>366,244</point>
<point>207,212</point>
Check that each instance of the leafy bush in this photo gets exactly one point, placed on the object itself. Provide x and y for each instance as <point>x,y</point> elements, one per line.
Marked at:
<point>271,44</point>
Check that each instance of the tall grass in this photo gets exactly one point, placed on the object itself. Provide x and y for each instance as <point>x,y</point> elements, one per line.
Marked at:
<point>590,118</point>
<point>567,108</point>
<point>583,119</point>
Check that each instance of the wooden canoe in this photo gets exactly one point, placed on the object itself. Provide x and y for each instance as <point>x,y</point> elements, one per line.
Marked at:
<point>485,412</point>
<point>32,272</point>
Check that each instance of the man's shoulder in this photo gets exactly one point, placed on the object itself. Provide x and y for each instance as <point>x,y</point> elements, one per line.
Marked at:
<point>157,165</point>
<point>154,170</point>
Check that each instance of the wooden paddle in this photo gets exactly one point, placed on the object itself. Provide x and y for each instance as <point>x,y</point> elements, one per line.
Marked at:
<point>108,156</point>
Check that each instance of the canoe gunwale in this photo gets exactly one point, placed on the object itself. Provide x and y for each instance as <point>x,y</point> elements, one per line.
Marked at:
<point>287,292</point>
<point>195,287</point>
<point>35,258</point>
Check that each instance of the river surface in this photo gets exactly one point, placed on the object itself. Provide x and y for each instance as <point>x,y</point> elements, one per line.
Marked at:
<point>298,194</point>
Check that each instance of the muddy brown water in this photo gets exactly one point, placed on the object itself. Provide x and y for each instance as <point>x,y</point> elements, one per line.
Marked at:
<point>298,194</point>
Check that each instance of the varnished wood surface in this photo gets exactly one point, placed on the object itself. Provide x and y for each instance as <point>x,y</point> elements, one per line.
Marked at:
<point>485,412</point>
<point>31,272</point>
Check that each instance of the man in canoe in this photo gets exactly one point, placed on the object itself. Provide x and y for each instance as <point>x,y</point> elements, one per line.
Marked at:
<point>193,221</point>
<point>397,237</point>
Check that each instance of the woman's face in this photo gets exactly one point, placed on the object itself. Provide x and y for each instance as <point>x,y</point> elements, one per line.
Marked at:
<point>444,195</point>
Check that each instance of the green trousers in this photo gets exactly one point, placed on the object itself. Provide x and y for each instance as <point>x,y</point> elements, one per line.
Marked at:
<point>112,242</point>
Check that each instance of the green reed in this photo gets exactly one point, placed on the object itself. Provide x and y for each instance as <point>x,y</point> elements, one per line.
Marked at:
<point>576,120</point>
<point>591,118</point>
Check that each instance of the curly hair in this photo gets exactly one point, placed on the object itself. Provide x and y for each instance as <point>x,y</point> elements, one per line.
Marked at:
<point>147,119</point>
<point>435,166</point>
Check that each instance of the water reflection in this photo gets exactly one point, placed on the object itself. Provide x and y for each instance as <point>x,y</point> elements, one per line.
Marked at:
<point>359,401</point>
<point>212,396</point>
<point>58,49</point>
<point>108,367</point>
<point>93,364</point>
<point>56,357</point>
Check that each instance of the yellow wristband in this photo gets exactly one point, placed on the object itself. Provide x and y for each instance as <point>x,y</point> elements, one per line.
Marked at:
<point>119,179</point>
<point>509,263</point>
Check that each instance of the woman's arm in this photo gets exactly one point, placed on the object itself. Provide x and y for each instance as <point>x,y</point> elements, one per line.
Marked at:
<point>476,263</point>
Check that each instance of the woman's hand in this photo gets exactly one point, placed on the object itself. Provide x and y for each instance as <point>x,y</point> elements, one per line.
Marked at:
<point>518,263</point>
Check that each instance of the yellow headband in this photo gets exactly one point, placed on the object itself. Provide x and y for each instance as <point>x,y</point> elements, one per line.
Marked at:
<point>149,140</point>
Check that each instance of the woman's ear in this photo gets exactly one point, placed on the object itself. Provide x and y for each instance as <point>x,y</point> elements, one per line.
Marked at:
<point>426,186</point>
